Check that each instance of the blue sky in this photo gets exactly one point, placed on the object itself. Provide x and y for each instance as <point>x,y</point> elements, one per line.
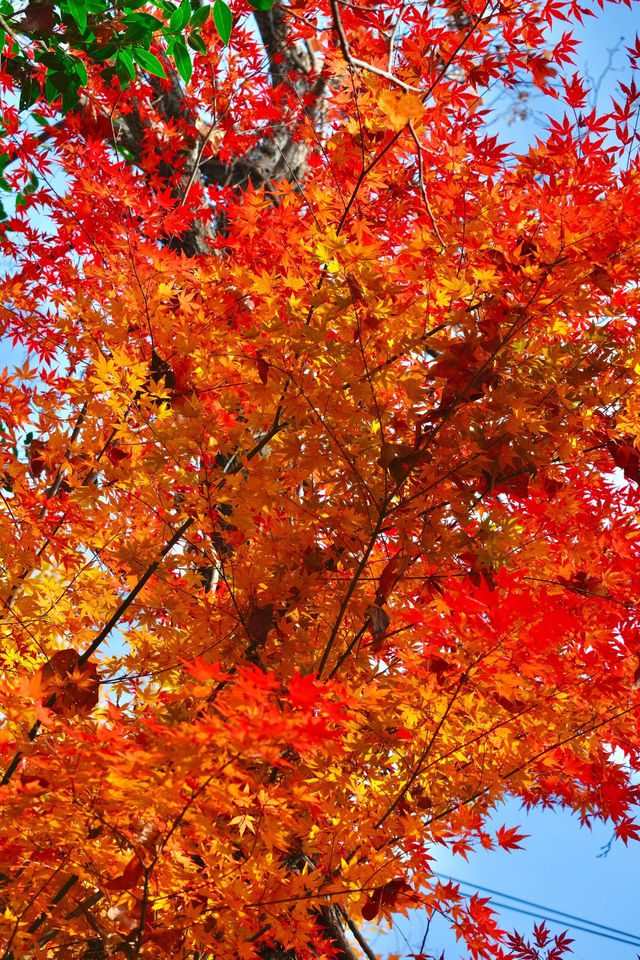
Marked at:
<point>600,58</point>
<point>560,868</point>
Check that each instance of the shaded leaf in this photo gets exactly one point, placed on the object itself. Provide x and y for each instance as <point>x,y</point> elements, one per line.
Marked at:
<point>378,620</point>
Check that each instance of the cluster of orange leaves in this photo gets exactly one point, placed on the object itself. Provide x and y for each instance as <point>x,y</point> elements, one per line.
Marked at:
<point>315,548</point>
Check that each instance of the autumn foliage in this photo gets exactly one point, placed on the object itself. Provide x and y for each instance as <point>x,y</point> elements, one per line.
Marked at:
<point>320,481</point>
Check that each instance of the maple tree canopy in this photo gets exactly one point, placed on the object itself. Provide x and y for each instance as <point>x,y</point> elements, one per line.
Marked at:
<point>320,480</point>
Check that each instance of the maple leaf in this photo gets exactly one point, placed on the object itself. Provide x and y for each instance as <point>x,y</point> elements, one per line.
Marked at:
<point>129,877</point>
<point>35,456</point>
<point>627,457</point>
<point>33,784</point>
<point>304,691</point>
<point>399,108</point>
<point>392,572</point>
<point>385,897</point>
<point>509,838</point>
<point>115,454</point>
<point>75,690</point>
<point>355,288</point>
<point>243,822</point>
<point>627,829</point>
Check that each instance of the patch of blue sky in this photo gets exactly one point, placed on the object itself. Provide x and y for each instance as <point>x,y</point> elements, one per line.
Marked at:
<point>562,866</point>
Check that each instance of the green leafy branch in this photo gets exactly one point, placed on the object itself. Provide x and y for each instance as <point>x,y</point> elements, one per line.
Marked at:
<point>119,36</point>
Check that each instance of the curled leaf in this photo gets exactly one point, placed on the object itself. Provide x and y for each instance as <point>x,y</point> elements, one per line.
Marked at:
<point>35,457</point>
<point>259,622</point>
<point>76,689</point>
<point>383,897</point>
<point>263,368</point>
<point>378,620</point>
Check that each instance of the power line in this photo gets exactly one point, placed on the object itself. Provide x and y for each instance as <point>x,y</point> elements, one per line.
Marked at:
<point>611,934</point>
<point>539,906</point>
<point>530,903</point>
<point>566,923</point>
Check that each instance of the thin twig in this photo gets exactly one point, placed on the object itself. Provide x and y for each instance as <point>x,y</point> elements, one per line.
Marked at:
<point>50,492</point>
<point>425,753</point>
<point>394,34</point>
<point>104,633</point>
<point>196,162</point>
<point>361,64</point>
<point>358,936</point>
<point>347,597</point>
<point>423,191</point>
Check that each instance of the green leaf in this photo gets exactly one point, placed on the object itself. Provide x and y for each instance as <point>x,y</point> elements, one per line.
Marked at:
<point>137,33</point>
<point>48,57</point>
<point>124,65</point>
<point>149,62</point>
<point>223,20</point>
<point>70,98</point>
<point>200,17</point>
<point>3,216</point>
<point>180,18</point>
<point>5,159</point>
<point>29,93</point>
<point>126,56</point>
<point>81,71</point>
<point>67,83</point>
<point>123,75</point>
<point>50,91</point>
<point>32,186</point>
<point>196,42</point>
<point>60,80</point>
<point>103,53</point>
<point>126,154</point>
<point>63,60</point>
<point>78,10</point>
<point>261,4</point>
<point>2,40</point>
<point>183,60</point>
<point>149,22</point>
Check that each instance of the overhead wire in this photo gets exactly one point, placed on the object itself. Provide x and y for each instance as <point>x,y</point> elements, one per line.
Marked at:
<point>567,919</point>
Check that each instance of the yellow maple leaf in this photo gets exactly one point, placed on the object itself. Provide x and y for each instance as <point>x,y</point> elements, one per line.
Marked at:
<point>400,108</point>
<point>244,822</point>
